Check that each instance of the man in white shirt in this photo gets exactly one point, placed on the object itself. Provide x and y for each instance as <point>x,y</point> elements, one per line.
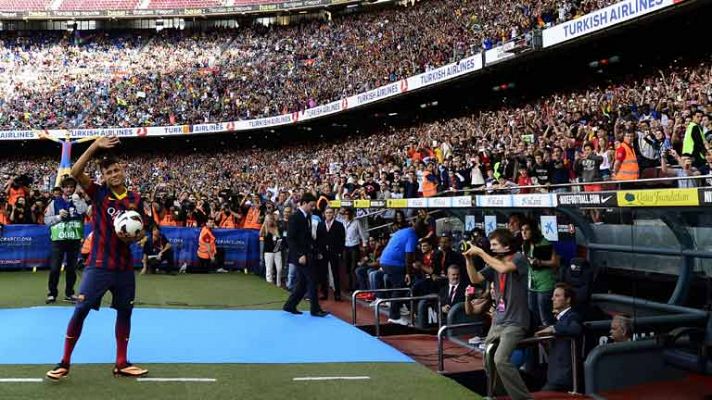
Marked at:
<point>356,239</point>
<point>454,291</point>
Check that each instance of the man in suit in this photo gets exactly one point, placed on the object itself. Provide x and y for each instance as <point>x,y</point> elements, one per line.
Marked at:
<point>568,325</point>
<point>454,291</point>
<point>446,256</point>
<point>330,239</point>
<point>301,255</point>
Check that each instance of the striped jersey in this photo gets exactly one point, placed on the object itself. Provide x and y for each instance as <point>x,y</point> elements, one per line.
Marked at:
<point>108,251</point>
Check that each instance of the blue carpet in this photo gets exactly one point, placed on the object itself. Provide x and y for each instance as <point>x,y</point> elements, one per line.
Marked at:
<point>36,336</point>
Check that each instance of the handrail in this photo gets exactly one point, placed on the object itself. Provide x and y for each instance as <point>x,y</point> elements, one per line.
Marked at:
<point>531,341</point>
<point>411,299</point>
<point>441,332</point>
<point>572,184</point>
<point>391,223</point>
<point>641,303</point>
<point>356,292</point>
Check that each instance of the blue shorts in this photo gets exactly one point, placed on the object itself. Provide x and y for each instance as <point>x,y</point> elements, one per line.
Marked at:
<point>97,281</point>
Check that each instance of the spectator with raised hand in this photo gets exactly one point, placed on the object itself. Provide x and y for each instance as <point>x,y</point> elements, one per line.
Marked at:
<point>685,170</point>
<point>588,168</point>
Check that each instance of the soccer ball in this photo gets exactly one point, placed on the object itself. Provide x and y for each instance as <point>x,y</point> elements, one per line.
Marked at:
<point>129,223</point>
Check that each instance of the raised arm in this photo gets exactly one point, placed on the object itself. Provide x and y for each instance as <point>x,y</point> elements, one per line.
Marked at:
<point>104,142</point>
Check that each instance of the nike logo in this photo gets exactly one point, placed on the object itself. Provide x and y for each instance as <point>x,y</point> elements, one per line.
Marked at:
<point>605,199</point>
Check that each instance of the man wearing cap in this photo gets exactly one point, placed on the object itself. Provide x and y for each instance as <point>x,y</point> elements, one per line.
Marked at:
<point>65,217</point>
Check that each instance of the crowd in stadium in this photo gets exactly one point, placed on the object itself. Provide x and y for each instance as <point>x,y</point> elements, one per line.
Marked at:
<point>88,79</point>
<point>659,123</point>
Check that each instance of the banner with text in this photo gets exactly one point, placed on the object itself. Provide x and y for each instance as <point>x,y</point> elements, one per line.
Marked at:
<point>28,246</point>
<point>435,76</point>
<point>604,18</point>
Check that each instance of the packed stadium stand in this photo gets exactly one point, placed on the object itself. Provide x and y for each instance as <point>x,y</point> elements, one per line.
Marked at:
<point>222,78</point>
<point>594,156</point>
<point>24,5</point>
<point>82,5</point>
<point>98,5</point>
<point>158,4</point>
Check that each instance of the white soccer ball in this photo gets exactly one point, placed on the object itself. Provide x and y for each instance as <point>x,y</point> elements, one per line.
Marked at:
<point>129,223</point>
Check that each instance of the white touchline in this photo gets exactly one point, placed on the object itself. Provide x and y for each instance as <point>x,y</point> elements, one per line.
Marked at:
<point>332,378</point>
<point>20,380</point>
<point>176,380</point>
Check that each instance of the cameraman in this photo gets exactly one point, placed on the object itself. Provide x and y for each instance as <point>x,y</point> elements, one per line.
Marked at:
<point>508,269</point>
<point>65,218</point>
<point>20,213</point>
<point>16,187</point>
<point>228,218</point>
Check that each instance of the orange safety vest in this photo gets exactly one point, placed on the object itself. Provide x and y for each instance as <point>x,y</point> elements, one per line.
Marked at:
<point>168,220</point>
<point>86,246</point>
<point>206,244</point>
<point>430,189</point>
<point>4,220</point>
<point>16,194</point>
<point>154,215</point>
<point>629,167</point>
<point>228,222</point>
<point>252,220</point>
<point>191,222</point>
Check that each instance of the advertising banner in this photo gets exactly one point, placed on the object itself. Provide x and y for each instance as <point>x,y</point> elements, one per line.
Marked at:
<point>658,198</point>
<point>28,246</point>
<point>604,18</point>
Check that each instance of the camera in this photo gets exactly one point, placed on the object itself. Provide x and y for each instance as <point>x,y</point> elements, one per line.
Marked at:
<point>470,291</point>
<point>465,245</point>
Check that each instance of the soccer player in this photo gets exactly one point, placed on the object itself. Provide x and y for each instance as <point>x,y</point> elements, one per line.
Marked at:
<point>109,267</point>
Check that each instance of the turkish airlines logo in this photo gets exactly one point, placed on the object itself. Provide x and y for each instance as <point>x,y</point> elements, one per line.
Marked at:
<point>404,85</point>
<point>141,132</point>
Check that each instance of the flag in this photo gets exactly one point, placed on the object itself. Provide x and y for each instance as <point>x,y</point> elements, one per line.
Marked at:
<point>549,228</point>
<point>490,224</point>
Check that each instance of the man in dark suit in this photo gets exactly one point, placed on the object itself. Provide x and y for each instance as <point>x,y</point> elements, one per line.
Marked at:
<point>330,239</point>
<point>454,291</point>
<point>446,256</point>
<point>568,325</point>
<point>301,254</point>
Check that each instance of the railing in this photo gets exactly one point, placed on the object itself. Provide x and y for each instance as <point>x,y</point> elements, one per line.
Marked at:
<point>441,333</point>
<point>353,298</point>
<point>412,307</point>
<point>532,341</point>
<point>574,184</point>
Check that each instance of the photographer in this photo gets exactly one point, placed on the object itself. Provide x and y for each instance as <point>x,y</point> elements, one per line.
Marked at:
<point>65,218</point>
<point>17,187</point>
<point>37,211</point>
<point>20,213</point>
<point>156,250</point>
<point>227,218</point>
<point>508,270</point>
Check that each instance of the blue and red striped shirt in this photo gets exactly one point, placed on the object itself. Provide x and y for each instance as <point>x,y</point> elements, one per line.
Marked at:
<point>108,251</point>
